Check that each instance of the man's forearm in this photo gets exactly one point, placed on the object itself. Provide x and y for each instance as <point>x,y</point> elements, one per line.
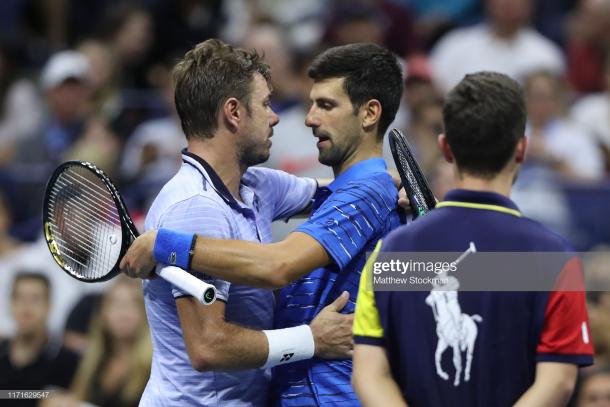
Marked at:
<point>372,378</point>
<point>241,262</point>
<point>379,391</point>
<point>255,264</point>
<point>214,344</point>
<point>552,387</point>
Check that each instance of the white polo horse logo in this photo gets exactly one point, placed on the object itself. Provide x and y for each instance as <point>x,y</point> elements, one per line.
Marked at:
<point>453,328</point>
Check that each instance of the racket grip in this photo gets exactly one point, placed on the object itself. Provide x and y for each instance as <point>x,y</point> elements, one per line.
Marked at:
<point>205,293</point>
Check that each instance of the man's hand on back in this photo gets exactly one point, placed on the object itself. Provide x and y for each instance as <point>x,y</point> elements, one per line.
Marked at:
<point>332,331</point>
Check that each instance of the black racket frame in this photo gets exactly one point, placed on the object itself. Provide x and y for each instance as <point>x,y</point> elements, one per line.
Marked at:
<point>128,229</point>
<point>398,141</point>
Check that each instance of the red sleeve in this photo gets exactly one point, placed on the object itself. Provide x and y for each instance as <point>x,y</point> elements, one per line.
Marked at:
<point>566,334</point>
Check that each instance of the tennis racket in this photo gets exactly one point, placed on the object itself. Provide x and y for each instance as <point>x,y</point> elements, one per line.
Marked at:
<point>418,191</point>
<point>88,229</point>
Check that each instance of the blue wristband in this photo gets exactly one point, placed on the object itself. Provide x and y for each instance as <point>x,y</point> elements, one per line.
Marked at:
<point>174,248</point>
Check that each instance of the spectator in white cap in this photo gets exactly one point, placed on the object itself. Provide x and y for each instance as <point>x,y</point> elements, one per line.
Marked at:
<point>64,82</point>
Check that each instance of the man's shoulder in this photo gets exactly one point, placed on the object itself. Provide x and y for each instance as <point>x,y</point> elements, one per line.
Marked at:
<point>185,189</point>
<point>377,183</point>
<point>435,227</point>
<point>547,239</point>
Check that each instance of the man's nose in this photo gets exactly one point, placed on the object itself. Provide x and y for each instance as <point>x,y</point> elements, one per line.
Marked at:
<point>311,120</point>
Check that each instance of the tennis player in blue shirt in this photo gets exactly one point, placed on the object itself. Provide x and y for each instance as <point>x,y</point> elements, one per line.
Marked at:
<point>356,93</point>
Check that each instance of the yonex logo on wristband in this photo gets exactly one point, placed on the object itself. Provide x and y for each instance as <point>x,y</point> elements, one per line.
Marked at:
<point>286,357</point>
<point>172,258</point>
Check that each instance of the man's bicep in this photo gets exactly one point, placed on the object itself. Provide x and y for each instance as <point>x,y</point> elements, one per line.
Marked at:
<point>302,254</point>
<point>566,335</point>
<point>347,222</point>
<point>371,358</point>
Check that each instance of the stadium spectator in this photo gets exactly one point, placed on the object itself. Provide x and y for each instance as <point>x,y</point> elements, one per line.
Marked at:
<point>269,39</point>
<point>128,29</point>
<point>558,150</point>
<point>504,43</point>
<point>424,127</point>
<point>591,112</point>
<point>555,140</point>
<point>78,322</point>
<point>65,83</point>
<point>594,388</point>
<point>8,244</point>
<point>103,78</point>
<point>20,107</point>
<point>433,18</point>
<point>116,365</point>
<point>382,22</point>
<point>588,43</point>
<point>33,359</point>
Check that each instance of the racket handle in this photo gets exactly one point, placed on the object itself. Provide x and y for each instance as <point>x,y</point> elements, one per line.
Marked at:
<point>205,293</point>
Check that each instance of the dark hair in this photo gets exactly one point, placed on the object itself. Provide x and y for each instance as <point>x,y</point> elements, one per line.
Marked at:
<point>484,118</point>
<point>30,275</point>
<point>209,74</point>
<point>370,72</point>
<point>585,375</point>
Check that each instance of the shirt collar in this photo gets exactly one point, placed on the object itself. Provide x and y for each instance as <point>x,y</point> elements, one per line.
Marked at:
<point>480,197</point>
<point>218,185</point>
<point>357,171</point>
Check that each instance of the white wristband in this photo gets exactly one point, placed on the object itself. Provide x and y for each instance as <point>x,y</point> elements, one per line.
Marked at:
<point>289,345</point>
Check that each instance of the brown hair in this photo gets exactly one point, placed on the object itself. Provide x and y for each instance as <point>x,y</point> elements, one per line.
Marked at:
<point>209,74</point>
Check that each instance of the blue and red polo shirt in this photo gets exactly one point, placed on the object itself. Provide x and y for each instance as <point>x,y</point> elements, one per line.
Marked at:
<point>472,348</point>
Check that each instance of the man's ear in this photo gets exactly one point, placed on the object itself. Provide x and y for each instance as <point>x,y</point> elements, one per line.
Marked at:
<point>445,148</point>
<point>520,150</point>
<point>232,113</point>
<point>371,113</point>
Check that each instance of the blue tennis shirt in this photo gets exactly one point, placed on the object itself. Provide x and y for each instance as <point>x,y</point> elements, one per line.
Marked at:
<point>349,217</point>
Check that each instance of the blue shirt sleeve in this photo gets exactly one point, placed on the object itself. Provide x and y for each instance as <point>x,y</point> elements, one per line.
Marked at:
<point>351,217</point>
<point>285,193</point>
<point>205,217</point>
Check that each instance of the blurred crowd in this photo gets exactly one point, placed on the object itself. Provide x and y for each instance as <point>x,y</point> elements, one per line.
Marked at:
<point>91,81</point>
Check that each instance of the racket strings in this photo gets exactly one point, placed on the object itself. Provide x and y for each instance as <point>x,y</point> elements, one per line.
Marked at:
<point>85,223</point>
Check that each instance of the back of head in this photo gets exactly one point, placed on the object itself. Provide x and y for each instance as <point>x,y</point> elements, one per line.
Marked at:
<point>209,74</point>
<point>484,118</point>
<point>370,72</point>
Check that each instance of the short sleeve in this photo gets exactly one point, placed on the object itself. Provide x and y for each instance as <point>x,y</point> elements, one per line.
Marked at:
<point>207,218</point>
<point>566,335</point>
<point>287,194</point>
<point>349,219</point>
<point>367,324</point>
